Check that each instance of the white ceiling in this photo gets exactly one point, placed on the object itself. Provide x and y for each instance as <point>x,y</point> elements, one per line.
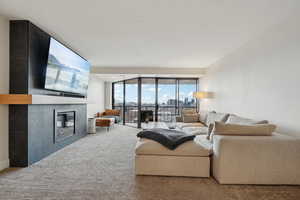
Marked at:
<point>164,33</point>
<point>120,77</point>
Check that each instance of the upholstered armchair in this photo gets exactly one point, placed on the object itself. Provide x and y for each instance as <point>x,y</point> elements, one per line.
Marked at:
<point>110,113</point>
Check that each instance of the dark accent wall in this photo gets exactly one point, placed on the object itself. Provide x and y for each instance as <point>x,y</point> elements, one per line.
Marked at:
<point>18,57</point>
<point>18,135</point>
<point>31,127</point>
<point>41,129</point>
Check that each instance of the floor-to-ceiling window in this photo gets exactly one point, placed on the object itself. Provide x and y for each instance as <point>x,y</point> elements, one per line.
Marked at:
<point>131,102</point>
<point>118,97</point>
<point>186,88</point>
<point>167,99</point>
<point>148,100</point>
<point>143,100</point>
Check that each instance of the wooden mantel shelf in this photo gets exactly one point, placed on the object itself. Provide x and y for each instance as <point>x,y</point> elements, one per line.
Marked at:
<point>39,99</point>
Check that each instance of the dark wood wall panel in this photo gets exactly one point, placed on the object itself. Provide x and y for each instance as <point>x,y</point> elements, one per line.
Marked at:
<point>18,138</point>
<point>19,58</point>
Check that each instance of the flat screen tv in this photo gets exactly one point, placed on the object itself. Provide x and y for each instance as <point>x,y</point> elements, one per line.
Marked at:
<point>66,71</point>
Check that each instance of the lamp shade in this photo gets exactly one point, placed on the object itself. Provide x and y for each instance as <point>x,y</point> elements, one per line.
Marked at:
<point>202,95</point>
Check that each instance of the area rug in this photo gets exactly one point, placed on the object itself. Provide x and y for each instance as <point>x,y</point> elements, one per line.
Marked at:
<point>101,167</point>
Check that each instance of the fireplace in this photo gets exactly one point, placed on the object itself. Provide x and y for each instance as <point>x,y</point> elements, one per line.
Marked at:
<point>64,125</point>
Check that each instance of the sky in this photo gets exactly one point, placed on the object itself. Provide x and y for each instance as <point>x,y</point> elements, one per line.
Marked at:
<point>165,92</point>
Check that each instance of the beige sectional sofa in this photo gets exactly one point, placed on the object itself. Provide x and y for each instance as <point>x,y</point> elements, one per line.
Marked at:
<point>235,159</point>
<point>256,159</point>
<point>190,159</point>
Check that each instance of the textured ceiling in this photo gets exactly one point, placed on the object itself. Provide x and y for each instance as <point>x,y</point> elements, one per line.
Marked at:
<point>145,33</point>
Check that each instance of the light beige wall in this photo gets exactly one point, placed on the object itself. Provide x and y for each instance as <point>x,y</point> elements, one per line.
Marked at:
<point>260,80</point>
<point>95,96</point>
<point>108,95</point>
<point>4,89</point>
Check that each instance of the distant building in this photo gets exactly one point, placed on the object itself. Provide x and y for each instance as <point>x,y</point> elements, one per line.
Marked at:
<point>193,101</point>
<point>171,102</point>
<point>186,101</point>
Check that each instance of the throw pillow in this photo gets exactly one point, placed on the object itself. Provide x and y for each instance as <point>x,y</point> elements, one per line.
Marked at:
<point>213,117</point>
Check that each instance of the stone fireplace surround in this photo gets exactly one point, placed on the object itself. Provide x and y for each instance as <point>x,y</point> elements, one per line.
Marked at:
<point>32,127</point>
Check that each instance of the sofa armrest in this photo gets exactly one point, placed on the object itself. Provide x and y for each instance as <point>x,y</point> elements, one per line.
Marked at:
<point>178,119</point>
<point>256,159</point>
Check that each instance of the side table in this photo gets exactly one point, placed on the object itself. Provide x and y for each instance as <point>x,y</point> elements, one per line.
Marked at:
<point>92,125</point>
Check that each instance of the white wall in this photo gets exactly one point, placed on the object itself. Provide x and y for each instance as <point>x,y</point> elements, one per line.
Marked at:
<point>108,95</point>
<point>96,97</point>
<point>260,80</point>
<point>4,89</point>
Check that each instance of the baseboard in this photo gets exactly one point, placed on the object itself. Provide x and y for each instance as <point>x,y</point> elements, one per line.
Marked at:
<point>4,164</point>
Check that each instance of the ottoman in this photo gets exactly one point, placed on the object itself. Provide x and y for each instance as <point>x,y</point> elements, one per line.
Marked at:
<point>191,159</point>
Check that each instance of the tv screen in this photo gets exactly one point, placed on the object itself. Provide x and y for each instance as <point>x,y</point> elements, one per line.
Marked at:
<point>66,71</point>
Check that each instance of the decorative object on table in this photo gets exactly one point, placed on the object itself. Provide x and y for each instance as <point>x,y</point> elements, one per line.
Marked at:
<point>172,126</point>
<point>172,123</point>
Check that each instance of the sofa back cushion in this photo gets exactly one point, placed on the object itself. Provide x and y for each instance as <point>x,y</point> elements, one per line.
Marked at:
<point>221,128</point>
<point>213,117</point>
<point>234,119</point>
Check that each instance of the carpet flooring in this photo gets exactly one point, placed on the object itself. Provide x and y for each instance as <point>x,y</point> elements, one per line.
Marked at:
<point>101,167</point>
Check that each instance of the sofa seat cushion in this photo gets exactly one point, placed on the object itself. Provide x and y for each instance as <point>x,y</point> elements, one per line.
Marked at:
<point>117,118</point>
<point>190,148</point>
<point>202,130</point>
<point>181,125</point>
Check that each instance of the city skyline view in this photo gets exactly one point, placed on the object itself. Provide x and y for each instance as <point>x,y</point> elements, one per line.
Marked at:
<point>166,93</point>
